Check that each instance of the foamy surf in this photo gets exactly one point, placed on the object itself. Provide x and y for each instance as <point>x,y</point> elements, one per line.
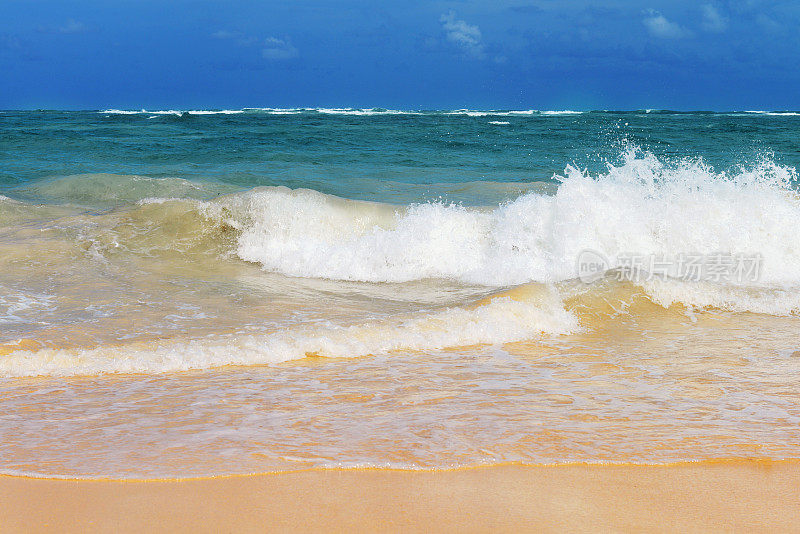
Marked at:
<point>496,320</point>
<point>643,207</point>
<point>353,112</point>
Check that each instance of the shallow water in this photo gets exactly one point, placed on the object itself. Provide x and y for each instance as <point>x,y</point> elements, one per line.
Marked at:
<point>416,297</point>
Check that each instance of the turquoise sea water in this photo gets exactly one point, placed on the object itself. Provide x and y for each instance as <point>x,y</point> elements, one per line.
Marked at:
<point>374,155</point>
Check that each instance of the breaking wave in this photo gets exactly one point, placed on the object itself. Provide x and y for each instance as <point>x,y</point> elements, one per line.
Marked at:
<point>523,252</point>
<point>502,318</point>
<point>642,207</point>
<point>364,112</point>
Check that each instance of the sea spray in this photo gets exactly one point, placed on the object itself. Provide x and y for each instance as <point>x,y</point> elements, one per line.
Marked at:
<point>642,206</point>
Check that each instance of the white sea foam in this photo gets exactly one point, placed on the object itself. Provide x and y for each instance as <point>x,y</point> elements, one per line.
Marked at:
<point>365,112</point>
<point>774,113</point>
<point>278,111</point>
<point>141,111</point>
<point>562,112</point>
<point>501,319</point>
<point>215,112</point>
<point>510,113</point>
<point>270,111</point>
<point>470,113</point>
<point>499,122</point>
<point>22,306</point>
<point>705,294</point>
<point>642,206</point>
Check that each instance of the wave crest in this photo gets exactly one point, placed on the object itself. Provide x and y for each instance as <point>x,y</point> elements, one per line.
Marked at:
<point>642,206</point>
<point>502,318</point>
<point>104,189</point>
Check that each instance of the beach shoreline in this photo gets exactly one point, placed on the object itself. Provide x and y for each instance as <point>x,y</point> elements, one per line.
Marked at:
<point>726,495</point>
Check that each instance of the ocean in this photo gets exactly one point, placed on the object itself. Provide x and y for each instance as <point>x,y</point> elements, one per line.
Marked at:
<point>200,293</point>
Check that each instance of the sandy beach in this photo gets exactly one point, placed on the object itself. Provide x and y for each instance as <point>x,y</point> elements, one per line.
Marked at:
<point>746,496</point>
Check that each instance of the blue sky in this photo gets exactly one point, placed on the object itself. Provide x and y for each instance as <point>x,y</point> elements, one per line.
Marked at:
<point>544,54</point>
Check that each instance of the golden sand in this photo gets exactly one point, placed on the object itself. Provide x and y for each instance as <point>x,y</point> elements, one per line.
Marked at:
<point>743,496</point>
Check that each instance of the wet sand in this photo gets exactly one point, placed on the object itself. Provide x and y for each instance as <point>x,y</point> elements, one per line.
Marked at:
<point>746,496</point>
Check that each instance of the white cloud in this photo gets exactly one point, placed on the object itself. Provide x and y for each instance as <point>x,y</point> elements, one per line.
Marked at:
<point>713,21</point>
<point>240,38</point>
<point>659,26</point>
<point>466,36</point>
<point>273,49</point>
<point>72,26</point>
<point>278,49</point>
<point>224,34</point>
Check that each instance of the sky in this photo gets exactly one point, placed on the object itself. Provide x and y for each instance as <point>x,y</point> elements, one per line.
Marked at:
<point>477,54</point>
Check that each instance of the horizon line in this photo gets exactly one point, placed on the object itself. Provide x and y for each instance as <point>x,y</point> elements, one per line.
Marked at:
<point>379,109</point>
